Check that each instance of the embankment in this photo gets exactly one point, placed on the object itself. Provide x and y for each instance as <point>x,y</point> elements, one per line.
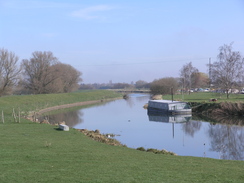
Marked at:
<point>224,112</point>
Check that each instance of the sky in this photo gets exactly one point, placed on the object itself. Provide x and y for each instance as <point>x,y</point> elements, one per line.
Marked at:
<point>123,40</point>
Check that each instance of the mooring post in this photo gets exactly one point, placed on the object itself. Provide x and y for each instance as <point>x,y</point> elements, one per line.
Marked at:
<point>14,115</point>
<point>19,114</point>
<point>2,116</point>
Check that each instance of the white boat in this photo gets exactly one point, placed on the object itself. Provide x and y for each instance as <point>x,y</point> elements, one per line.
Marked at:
<point>168,106</point>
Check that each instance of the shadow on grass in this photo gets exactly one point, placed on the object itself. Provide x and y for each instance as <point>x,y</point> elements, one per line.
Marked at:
<point>58,129</point>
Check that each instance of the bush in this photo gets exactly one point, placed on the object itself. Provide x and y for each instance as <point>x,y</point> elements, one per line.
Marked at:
<point>163,86</point>
<point>141,149</point>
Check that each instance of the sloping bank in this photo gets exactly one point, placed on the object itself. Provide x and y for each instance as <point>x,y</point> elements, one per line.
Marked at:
<point>95,135</point>
<point>71,105</point>
<point>50,102</point>
<point>224,112</point>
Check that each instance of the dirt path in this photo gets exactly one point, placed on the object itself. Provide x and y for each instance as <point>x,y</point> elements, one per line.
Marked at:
<point>68,105</point>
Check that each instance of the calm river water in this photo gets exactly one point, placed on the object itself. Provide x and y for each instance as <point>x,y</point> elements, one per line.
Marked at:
<point>132,125</point>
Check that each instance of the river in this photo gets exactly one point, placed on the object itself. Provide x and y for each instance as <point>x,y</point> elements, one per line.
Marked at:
<point>132,125</point>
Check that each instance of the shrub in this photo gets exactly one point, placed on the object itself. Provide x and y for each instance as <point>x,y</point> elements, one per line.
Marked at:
<point>141,149</point>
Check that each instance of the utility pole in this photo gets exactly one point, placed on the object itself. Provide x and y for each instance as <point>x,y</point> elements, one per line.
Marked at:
<point>210,73</point>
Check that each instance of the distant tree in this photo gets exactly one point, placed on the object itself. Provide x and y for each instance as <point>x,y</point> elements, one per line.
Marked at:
<point>86,87</point>
<point>122,86</point>
<point>227,71</point>
<point>141,84</point>
<point>200,80</point>
<point>37,71</point>
<point>9,71</point>
<point>164,86</point>
<point>186,74</point>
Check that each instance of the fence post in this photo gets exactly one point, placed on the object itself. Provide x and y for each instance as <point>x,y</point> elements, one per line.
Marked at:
<point>19,115</point>
<point>34,117</point>
<point>2,116</point>
<point>14,115</point>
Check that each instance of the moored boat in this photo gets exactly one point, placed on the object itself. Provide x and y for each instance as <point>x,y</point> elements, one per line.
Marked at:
<point>168,106</point>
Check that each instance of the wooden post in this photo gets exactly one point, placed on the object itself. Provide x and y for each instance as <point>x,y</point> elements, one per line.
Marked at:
<point>2,116</point>
<point>19,116</point>
<point>14,115</point>
<point>34,117</point>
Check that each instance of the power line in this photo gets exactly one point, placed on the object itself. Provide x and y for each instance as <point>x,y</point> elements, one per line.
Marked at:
<point>142,63</point>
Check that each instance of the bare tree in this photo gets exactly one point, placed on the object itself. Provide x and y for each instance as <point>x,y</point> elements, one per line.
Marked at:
<point>227,71</point>
<point>186,74</point>
<point>68,78</point>
<point>71,78</point>
<point>37,72</point>
<point>9,71</point>
<point>200,80</point>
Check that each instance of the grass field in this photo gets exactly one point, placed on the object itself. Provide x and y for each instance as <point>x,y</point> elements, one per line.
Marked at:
<point>205,96</point>
<point>28,103</point>
<point>32,152</point>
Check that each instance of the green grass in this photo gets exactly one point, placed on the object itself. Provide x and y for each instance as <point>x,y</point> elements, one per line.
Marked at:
<point>28,103</point>
<point>32,152</point>
<point>205,96</point>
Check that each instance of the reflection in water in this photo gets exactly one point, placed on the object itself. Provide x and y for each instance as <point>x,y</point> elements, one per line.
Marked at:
<point>228,141</point>
<point>191,128</point>
<point>233,120</point>
<point>71,118</point>
<point>131,101</point>
<point>160,117</point>
<point>222,119</point>
<point>169,118</point>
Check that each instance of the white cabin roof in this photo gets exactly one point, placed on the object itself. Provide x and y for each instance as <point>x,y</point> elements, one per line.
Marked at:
<point>166,101</point>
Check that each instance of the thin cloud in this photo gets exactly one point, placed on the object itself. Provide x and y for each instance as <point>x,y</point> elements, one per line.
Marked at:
<point>91,12</point>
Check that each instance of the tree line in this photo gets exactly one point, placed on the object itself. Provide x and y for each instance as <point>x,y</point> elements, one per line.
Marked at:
<point>43,73</point>
<point>225,74</point>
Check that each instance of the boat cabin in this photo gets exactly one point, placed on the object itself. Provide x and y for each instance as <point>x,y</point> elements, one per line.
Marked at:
<point>168,106</point>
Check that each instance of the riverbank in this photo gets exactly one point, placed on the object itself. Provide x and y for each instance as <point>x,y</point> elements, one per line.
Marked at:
<point>41,153</point>
<point>224,112</point>
<point>219,110</point>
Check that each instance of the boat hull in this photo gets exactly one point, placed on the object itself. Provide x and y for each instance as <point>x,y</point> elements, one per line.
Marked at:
<point>158,110</point>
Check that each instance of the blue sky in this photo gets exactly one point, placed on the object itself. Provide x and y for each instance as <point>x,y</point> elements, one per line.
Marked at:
<point>123,40</point>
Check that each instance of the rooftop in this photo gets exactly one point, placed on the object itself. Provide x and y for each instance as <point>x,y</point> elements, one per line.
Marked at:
<point>166,101</point>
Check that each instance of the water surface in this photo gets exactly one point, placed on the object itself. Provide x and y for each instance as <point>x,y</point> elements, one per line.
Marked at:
<point>135,128</point>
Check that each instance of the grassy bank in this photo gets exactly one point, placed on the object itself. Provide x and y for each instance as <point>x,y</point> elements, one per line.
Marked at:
<point>26,103</point>
<point>32,152</point>
<point>205,96</point>
<point>228,111</point>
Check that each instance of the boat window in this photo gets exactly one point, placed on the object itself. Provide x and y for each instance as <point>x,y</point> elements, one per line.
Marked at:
<point>187,106</point>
